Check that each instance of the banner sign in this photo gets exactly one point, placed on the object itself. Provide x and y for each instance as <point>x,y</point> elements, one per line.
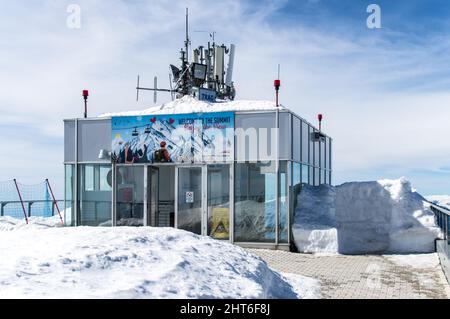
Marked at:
<point>178,138</point>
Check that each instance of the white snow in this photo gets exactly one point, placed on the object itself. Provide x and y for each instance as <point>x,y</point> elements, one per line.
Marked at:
<point>441,200</point>
<point>9,224</point>
<point>364,217</point>
<point>41,261</point>
<point>306,287</point>
<point>188,104</point>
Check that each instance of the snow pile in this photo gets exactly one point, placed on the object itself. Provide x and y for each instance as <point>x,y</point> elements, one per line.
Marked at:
<point>126,262</point>
<point>440,200</point>
<point>188,104</point>
<point>364,217</point>
<point>9,224</point>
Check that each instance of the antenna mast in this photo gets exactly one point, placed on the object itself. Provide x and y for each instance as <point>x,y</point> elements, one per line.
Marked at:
<point>187,42</point>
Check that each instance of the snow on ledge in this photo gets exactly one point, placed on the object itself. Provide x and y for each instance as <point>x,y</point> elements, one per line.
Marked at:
<point>188,104</point>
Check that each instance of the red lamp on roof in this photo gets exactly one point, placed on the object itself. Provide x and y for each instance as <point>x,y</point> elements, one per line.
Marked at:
<point>320,118</point>
<point>85,96</point>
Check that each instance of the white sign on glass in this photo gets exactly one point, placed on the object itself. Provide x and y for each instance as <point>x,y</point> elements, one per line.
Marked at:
<point>189,197</point>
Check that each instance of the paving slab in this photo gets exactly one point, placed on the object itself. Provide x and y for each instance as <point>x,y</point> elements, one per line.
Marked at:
<point>417,276</point>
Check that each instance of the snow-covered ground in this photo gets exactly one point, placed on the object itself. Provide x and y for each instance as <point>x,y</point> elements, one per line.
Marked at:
<point>364,217</point>
<point>42,261</point>
<point>441,200</point>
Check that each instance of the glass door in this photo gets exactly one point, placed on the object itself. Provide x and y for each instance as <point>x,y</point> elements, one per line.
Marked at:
<point>189,207</point>
<point>153,196</point>
<point>218,184</point>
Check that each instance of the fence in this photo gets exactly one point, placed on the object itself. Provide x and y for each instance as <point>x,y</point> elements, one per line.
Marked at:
<point>23,201</point>
<point>442,216</point>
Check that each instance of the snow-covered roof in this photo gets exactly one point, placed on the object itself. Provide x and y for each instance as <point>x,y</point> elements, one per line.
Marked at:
<point>188,104</point>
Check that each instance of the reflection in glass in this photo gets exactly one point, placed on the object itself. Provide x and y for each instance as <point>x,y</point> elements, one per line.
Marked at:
<point>305,174</point>
<point>130,196</point>
<point>189,215</point>
<point>219,201</point>
<point>255,199</point>
<point>283,203</point>
<point>69,216</point>
<point>94,203</point>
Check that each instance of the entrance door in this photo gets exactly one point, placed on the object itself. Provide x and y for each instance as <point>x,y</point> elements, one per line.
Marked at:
<point>203,200</point>
<point>190,203</point>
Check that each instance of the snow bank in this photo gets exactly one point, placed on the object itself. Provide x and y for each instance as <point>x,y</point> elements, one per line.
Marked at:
<point>188,104</point>
<point>364,217</point>
<point>9,223</point>
<point>126,262</point>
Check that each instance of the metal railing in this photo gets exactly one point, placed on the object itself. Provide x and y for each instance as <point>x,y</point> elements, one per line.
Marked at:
<point>442,216</point>
<point>43,209</point>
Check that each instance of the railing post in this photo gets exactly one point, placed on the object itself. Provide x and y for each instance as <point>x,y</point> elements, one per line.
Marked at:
<point>2,209</point>
<point>21,201</point>
<point>29,208</point>
<point>54,200</point>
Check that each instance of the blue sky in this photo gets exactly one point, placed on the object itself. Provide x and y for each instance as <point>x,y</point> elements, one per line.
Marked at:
<point>384,92</point>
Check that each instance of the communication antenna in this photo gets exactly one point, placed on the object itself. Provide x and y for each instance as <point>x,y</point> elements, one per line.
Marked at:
<point>187,42</point>
<point>155,89</point>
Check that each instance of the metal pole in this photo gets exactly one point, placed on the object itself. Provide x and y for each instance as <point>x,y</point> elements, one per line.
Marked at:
<point>21,201</point>
<point>54,201</point>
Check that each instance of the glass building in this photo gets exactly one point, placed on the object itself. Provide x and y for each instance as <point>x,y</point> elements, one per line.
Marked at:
<point>247,195</point>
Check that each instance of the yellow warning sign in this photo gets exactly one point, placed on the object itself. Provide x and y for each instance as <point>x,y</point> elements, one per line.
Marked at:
<point>220,223</point>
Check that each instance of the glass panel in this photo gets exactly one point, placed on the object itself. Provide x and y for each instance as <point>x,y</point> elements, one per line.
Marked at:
<point>285,136</point>
<point>297,182</point>
<point>296,130</point>
<point>311,146</point>
<point>305,174</point>
<point>255,202</point>
<point>94,203</point>
<point>322,155</point>
<point>130,196</point>
<point>330,154</point>
<point>89,178</point>
<point>254,138</point>
<point>105,178</point>
<point>153,198</point>
<point>305,143</point>
<point>69,216</point>
<point>316,153</point>
<point>283,203</point>
<point>190,199</point>
<point>311,175</point>
<point>316,177</point>
<point>219,201</point>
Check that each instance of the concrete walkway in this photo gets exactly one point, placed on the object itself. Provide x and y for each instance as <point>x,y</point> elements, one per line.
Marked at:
<point>360,277</point>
